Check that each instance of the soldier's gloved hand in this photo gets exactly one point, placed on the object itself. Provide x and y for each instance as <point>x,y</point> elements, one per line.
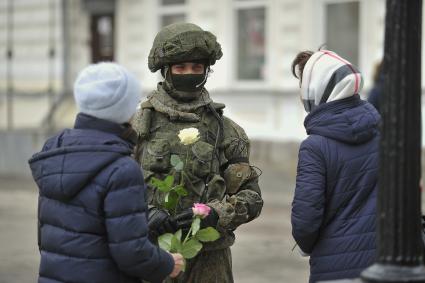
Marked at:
<point>160,222</point>
<point>185,218</point>
<point>211,220</point>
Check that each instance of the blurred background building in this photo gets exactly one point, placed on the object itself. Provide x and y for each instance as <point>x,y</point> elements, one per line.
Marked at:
<point>44,43</point>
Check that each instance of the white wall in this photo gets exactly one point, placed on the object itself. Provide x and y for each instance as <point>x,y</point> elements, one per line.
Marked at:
<point>36,27</point>
<point>268,109</point>
<point>137,25</point>
<point>79,22</point>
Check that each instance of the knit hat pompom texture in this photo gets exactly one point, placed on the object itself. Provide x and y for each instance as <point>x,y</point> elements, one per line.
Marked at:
<point>328,77</point>
<point>107,91</point>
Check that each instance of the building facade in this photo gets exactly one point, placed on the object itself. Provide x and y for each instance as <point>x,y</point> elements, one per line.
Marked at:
<point>44,43</point>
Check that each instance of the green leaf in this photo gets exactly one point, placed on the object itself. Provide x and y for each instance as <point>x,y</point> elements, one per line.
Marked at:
<point>175,159</point>
<point>196,224</point>
<point>207,235</point>
<point>164,241</point>
<point>169,181</point>
<point>156,182</point>
<point>171,200</point>
<point>191,248</point>
<point>163,186</point>
<point>180,190</point>
<point>178,234</point>
<point>176,244</point>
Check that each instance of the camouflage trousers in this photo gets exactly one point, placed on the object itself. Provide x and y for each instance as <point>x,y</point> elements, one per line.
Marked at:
<point>207,267</point>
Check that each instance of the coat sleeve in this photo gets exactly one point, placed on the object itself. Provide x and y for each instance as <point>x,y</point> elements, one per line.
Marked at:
<point>127,229</point>
<point>309,198</point>
<point>243,201</point>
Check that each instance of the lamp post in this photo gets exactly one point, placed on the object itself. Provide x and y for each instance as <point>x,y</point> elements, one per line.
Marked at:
<point>400,250</point>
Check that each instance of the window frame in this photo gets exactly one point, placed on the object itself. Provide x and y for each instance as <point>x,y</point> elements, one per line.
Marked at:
<point>237,83</point>
<point>167,5</point>
<point>322,21</point>
<point>167,10</point>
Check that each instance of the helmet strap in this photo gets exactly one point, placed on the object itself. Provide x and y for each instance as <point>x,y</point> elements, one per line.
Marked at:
<point>207,72</point>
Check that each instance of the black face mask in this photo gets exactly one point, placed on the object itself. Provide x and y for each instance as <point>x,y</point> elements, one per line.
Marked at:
<point>188,82</point>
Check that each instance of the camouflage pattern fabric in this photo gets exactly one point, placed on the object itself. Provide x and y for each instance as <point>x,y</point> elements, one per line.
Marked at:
<point>207,267</point>
<point>223,178</point>
<point>183,42</point>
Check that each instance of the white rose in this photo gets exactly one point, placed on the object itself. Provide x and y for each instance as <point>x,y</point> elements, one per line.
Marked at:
<point>189,136</point>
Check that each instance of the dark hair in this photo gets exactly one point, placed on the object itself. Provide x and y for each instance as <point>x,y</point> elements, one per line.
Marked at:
<point>300,61</point>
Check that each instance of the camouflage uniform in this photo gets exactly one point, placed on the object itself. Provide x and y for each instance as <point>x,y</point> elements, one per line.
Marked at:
<point>217,166</point>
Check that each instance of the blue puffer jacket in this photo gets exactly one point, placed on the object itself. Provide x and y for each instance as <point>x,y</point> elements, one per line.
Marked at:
<point>334,207</point>
<point>92,212</point>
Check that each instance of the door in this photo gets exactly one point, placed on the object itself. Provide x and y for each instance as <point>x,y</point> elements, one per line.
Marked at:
<point>102,37</point>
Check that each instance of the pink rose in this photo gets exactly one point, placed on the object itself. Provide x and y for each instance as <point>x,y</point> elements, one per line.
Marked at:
<point>200,209</point>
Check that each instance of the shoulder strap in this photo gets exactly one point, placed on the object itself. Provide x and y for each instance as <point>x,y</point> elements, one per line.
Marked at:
<point>218,107</point>
<point>146,104</point>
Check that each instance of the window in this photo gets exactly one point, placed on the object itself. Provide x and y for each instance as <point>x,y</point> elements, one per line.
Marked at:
<point>172,2</point>
<point>251,41</point>
<point>170,19</point>
<point>343,29</point>
<point>172,11</point>
<point>102,34</point>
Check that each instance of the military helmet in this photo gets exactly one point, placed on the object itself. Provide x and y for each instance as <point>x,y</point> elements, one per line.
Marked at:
<point>183,42</point>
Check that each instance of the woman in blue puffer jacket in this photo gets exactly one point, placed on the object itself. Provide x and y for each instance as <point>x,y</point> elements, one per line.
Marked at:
<point>334,207</point>
<point>92,211</point>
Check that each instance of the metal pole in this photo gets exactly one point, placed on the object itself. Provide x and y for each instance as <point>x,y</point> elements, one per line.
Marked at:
<point>66,47</point>
<point>66,85</point>
<point>51,55</point>
<point>52,51</point>
<point>9,83</point>
<point>400,250</point>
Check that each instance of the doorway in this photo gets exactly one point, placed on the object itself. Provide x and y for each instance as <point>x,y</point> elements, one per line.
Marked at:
<point>102,37</point>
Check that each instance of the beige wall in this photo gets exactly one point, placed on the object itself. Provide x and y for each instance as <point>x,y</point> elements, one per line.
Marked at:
<point>291,26</point>
<point>37,25</point>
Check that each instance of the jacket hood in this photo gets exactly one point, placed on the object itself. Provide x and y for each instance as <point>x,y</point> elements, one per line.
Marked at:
<point>70,160</point>
<point>350,120</point>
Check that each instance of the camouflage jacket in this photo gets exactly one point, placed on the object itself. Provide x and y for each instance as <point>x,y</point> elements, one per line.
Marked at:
<point>217,167</point>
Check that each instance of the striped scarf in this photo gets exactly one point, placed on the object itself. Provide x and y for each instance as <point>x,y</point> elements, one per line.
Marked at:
<point>328,77</point>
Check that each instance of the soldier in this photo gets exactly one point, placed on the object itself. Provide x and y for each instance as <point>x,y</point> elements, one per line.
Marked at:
<point>218,172</point>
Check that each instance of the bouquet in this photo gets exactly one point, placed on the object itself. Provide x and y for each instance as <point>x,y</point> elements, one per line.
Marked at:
<point>191,245</point>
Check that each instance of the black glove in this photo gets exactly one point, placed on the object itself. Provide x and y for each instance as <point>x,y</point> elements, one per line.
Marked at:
<point>211,220</point>
<point>184,219</point>
<point>160,222</point>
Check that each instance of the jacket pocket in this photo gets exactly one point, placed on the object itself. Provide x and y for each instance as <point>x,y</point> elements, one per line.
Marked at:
<point>156,156</point>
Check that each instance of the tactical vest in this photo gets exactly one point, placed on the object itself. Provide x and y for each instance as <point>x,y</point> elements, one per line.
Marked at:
<point>159,141</point>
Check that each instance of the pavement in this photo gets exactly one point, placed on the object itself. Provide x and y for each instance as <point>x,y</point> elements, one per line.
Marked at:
<point>262,252</point>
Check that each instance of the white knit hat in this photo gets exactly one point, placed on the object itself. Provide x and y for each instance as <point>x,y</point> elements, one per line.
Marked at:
<point>107,91</point>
